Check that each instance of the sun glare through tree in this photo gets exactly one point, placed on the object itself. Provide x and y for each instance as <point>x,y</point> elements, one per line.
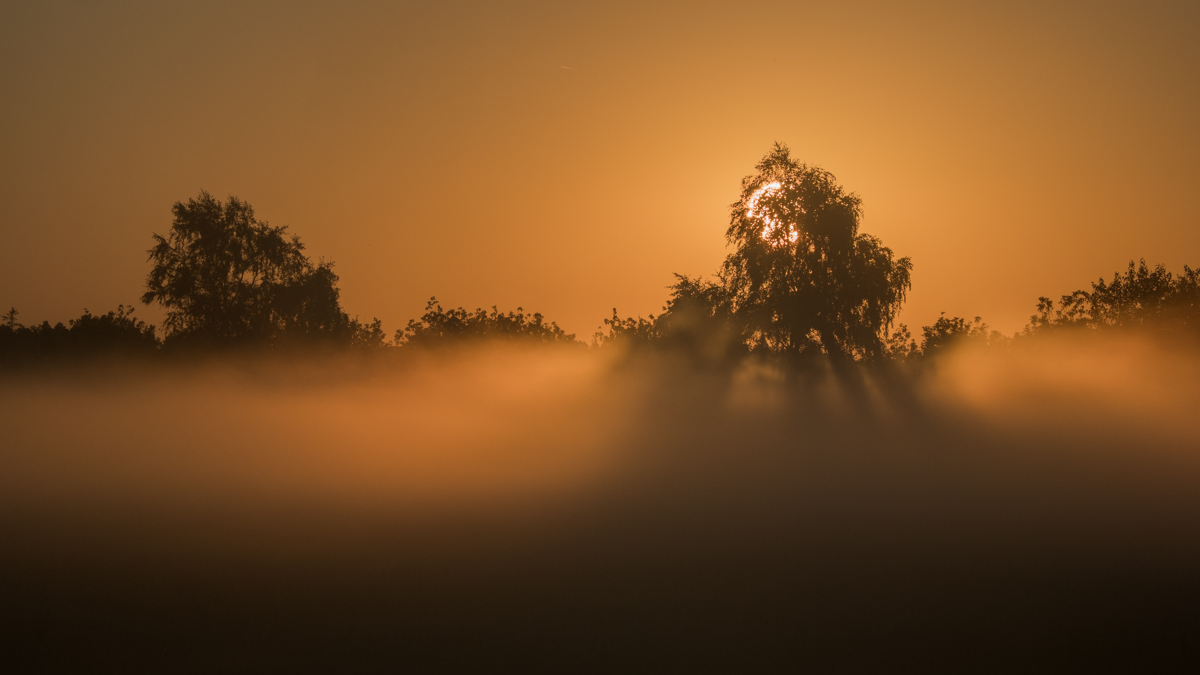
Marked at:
<point>772,226</point>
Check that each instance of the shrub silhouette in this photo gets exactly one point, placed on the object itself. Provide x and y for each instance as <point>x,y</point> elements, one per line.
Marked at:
<point>697,320</point>
<point>440,327</point>
<point>111,334</point>
<point>227,278</point>
<point>1142,297</point>
<point>949,331</point>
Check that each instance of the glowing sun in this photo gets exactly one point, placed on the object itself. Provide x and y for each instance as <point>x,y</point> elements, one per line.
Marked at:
<point>770,223</point>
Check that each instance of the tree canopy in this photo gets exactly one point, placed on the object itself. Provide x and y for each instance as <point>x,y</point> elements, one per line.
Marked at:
<point>802,276</point>
<point>226,277</point>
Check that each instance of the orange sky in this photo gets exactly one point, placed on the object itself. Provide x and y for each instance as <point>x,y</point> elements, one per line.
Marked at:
<point>568,157</point>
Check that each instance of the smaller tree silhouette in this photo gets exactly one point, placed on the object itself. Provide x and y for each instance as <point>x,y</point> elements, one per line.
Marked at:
<point>226,277</point>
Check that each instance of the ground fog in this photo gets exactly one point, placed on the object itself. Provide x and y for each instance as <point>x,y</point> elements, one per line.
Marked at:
<point>574,511</point>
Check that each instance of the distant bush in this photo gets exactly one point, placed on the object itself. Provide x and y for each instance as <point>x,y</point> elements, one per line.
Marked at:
<point>367,335</point>
<point>955,330</point>
<point>441,327</point>
<point>1142,297</point>
<point>89,336</point>
<point>946,332</point>
<point>698,320</point>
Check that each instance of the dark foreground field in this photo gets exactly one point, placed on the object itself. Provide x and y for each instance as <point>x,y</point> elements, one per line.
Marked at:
<point>1029,511</point>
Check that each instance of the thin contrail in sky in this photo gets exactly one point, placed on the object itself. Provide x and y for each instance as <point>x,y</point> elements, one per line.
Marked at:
<point>567,67</point>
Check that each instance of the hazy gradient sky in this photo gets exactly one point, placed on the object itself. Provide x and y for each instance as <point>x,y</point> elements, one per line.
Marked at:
<point>568,157</point>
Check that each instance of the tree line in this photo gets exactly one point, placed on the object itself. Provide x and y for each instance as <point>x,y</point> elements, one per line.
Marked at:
<point>801,282</point>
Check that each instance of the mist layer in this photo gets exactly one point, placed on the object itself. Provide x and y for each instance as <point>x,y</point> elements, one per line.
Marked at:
<point>558,510</point>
